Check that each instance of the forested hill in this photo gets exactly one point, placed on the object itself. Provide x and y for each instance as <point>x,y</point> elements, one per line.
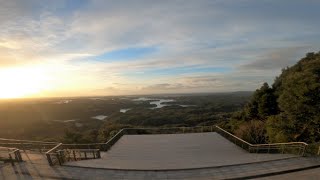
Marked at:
<point>289,110</point>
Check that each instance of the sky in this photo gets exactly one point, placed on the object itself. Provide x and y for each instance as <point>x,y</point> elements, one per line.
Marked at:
<point>123,47</point>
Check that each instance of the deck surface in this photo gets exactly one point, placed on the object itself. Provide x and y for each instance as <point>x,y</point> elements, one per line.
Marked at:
<point>35,165</point>
<point>174,151</point>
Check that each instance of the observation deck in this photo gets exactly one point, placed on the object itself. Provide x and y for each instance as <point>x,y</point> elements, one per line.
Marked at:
<point>174,151</point>
<point>159,153</point>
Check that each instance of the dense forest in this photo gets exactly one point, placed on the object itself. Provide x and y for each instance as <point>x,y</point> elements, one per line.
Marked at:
<point>289,110</point>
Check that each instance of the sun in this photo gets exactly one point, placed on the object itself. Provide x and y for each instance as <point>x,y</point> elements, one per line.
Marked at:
<point>22,82</point>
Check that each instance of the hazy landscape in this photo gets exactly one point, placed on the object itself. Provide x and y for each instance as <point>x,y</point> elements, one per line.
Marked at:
<point>51,118</point>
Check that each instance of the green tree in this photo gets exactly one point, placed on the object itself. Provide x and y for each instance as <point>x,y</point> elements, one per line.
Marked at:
<point>263,104</point>
<point>279,129</point>
<point>299,97</point>
<point>291,107</point>
<point>252,131</point>
<point>72,137</point>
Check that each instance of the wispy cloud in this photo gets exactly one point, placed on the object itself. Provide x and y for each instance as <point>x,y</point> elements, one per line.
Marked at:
<point>275,60</point>
<point>147,46</point>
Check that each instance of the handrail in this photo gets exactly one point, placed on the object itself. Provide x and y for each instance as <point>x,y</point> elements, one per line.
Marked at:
<point>160,128</point>
<point>84,144</point>
<point>288,143</point>
<point>27,141</point>
<point>118,135</point>
<point>300,146</point>
<point>50,154</point>
<point>40,147</point>
<point>66,155</point>
<point>24,143</point>
<point>13,154</point>
<point>83,150</point>
<point>6,148</point>
<point>234,136</point>
<point>169,130</point>
<point>54,148</point>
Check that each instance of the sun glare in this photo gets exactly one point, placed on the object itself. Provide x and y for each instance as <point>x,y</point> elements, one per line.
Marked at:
<point>22,82</point>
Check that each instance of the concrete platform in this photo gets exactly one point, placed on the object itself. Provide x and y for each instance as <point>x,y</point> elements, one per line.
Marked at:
<point>36,167</point>
<point>174,151</point>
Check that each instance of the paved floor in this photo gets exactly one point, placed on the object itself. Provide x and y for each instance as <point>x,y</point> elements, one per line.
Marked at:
<point>174,151</point>
<point>36,167</point>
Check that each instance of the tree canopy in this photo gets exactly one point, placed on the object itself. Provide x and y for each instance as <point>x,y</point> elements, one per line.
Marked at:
<point>290,109</point>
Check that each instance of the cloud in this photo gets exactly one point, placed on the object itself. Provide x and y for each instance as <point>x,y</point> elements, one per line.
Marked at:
<point>253,40</point>
<point>190,83</point>
<point>163,87</point>
<point>201,83</point>
<point>277,59</point>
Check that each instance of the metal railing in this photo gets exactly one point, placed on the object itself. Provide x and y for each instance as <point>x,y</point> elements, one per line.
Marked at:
<point>169,130</point>
<point>62,153</point>
<point>71,152</point>
<point>67,155</point>
<point>11,155</point>
<point>39,146</point>
<point>24,141</point>
<point>298,148</point>
<point>58,153</point>
<point>313,149</point>
<point>53,156</point>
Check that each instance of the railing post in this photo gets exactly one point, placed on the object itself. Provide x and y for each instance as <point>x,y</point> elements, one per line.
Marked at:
<point>49,159</point>
<point>11,160</point>
<point>59,159</point>
<point>304,150</point>
<point>300,148</point>
<point>20,156</point>
<point>23,148</point>
<point>16,156</point>
<point>74,155</point>
<point>62,156</point>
